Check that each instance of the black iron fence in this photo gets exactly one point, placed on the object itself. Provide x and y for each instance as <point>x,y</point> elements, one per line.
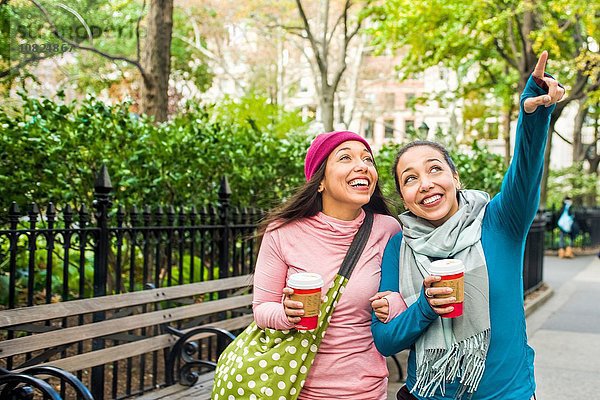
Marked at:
<point>533,259</point>
<point>56,255</point>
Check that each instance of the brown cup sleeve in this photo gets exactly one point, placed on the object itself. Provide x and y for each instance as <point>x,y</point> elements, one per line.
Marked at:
<point>457,285</point>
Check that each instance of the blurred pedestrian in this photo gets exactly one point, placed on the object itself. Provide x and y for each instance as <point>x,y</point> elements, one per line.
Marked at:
<point>568,229</point>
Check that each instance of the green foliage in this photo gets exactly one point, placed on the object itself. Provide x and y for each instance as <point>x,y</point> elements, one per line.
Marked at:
<point>583,188</point>
<point>256,111</point>
<point>4,288</point>
<point>186,62</point>
<point>478,168</point>
<point>52,151</point>
<point>41,260</point>
<point>111,27</point>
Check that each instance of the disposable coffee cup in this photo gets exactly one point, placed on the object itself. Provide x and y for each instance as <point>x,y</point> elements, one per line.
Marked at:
<point>452,273</point>
<point>307,289</point>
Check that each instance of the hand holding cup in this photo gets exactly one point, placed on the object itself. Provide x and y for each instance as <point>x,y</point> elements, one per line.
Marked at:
<point>438,297</point>
<point>303,299</point>
<point>293,309</point>
<point>444,289</point>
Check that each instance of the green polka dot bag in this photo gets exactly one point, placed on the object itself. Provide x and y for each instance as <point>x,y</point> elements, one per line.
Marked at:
<point>272,364</point>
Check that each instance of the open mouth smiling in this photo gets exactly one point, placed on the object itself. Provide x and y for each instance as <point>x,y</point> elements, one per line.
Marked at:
<point>431,199</point>
<point>359,183</point>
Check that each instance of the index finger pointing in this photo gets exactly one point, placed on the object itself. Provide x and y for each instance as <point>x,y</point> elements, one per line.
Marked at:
<point>538,72</point>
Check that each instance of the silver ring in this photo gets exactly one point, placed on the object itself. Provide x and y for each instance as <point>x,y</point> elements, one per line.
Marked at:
<point>427,294</point>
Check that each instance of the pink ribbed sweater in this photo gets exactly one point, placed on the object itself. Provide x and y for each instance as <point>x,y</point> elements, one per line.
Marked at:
<point>347,364</point>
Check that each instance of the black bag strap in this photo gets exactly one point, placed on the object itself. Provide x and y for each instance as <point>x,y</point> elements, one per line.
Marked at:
<point>357,246</point>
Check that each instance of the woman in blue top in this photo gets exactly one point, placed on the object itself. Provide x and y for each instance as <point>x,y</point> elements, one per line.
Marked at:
<point>567,227</point>
<point>483,354</point>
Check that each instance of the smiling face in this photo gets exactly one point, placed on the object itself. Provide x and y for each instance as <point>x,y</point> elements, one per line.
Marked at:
<point>349,182</point>
<point>427,184</point>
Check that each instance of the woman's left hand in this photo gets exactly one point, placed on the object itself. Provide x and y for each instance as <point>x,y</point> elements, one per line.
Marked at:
<point>380,305</point>
<point>555,91</point>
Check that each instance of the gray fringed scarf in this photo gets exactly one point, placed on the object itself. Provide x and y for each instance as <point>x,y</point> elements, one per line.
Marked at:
<point>457,347</point>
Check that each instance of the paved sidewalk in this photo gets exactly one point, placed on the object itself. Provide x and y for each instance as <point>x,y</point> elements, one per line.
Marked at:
<point>563,329</point>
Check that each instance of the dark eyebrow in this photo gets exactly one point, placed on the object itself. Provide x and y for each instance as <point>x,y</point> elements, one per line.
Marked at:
<point>364,150</point>
<point>342,149</point>
<point>428,160</point>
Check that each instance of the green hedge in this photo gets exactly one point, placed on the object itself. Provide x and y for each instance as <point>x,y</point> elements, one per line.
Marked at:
<point>51,151</point>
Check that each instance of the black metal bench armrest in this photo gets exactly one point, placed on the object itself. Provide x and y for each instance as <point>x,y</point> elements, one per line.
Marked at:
<point>183,350</point>
<point>64,376</point>
<point>21,386</point>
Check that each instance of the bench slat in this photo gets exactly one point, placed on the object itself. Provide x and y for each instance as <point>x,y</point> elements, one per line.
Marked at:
<point>103,328</point>
<point>144,346</point>
<point>45,312</point>
<point>201,390</point>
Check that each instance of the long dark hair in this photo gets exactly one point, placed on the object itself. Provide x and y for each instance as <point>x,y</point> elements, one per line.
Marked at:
<point>307,202</point>
<point>417,143</point>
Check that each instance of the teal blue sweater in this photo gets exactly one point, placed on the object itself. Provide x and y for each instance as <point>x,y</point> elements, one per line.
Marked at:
<point>509,365</point>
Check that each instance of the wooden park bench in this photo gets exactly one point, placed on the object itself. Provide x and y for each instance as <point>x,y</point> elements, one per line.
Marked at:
<point>189,324</point>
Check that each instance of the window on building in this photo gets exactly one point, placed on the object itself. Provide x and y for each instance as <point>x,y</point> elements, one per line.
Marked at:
<point>389,128</point>
<point>371,98</point>
<point>304,84</point>
<point>390,101</point>
<point>409,100</point>
<point>368,128</point>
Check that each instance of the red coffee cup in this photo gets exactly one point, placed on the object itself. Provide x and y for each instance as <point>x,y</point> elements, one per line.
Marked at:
<point>452,272</point>
<point>307,289</point>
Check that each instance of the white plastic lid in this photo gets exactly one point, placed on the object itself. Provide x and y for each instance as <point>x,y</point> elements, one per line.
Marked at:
<point>448,266</point>
<point>305,280</point>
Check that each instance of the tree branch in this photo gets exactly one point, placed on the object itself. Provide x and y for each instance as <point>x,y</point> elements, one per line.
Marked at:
<point>504,55</point>
<point>523,62</point>
<point>21,64</point>
<point>88,48</point>
<point>337,22</point>
<point>137,31</point>
<point>489,73</point>
<point>347,38</point>
<point>511,40</point>
<point>563,138</point>
<point>311,38</point>
<point>324,43</point>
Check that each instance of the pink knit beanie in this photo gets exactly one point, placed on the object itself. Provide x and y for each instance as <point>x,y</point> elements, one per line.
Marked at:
<point>323,145</point>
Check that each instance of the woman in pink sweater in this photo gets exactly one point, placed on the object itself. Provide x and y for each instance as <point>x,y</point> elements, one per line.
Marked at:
<point>312,232</point>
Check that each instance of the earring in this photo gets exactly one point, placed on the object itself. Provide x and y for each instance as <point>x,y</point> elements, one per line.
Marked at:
<point>320,189</point>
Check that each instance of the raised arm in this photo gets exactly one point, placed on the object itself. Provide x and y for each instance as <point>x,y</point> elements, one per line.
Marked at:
<point>518,200</point>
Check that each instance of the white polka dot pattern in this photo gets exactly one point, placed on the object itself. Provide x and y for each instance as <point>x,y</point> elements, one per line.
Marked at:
<point>279,361</point>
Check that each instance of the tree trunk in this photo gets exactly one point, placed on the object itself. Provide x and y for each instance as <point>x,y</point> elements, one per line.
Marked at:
<point>156,60</point>
<point>353,81</point>
<point>553,118</point>
<point>506,132</point>
<point>326,101</point>
<point>578,148</point>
